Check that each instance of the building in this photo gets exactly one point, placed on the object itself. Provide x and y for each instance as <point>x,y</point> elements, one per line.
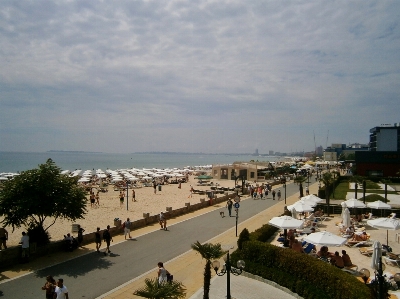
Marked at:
<point>333,152</point>
<point>377,163</point>
<point>250,171</point>
<point>385,138</point>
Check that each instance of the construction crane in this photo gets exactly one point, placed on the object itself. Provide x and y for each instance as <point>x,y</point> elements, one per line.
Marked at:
<point>327,136</point>
<point>315,145</point>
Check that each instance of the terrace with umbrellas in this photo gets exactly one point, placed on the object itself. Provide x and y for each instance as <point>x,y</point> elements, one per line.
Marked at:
<point>367,230</point>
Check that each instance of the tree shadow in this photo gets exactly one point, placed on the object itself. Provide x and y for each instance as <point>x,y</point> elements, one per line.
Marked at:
<point>78,267</point>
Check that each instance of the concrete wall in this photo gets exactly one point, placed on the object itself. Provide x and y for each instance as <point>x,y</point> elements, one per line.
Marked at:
<point>11,255</point>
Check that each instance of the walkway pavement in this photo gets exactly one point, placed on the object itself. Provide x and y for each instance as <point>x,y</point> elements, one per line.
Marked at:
<point>84,267</point>
<point>188,266</point>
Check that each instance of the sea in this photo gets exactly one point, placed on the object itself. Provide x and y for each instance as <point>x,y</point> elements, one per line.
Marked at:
<point>21,161</point>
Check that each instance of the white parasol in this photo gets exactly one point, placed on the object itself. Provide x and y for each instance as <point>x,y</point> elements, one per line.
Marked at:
<point>325,238</point>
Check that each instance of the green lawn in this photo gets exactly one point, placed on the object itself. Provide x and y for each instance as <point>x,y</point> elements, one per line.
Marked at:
<point>343,188</point>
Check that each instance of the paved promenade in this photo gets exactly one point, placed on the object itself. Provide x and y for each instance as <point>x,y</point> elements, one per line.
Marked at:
<point>90,275</point>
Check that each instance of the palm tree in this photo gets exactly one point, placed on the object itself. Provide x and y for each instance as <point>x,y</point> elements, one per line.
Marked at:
<point>300,180</point>
<point>328,180</point>
<point>168,290</point>
<point>208,252</point>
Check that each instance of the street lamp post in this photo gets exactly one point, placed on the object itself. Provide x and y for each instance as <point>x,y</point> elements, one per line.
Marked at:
<point>127,194</point>
<point>284,186</point>
<point>228,269</point>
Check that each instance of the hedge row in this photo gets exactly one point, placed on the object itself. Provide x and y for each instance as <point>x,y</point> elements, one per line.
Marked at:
<point>302,274</point>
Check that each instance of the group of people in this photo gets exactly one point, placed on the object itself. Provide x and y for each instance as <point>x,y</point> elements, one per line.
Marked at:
<point>94,199</point>
<point>55,290</point>
<point>106,236</point>
<point>263,190</point>
<point>335,259</point>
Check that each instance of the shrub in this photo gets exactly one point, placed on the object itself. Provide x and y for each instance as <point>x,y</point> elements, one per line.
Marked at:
<point>243,237</point>
<point>301,273</point>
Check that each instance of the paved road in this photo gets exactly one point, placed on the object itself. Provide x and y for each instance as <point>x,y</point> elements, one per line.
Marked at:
<point>94,274</point>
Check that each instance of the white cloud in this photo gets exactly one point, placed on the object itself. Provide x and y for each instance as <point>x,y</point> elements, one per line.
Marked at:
<point>205,76</point>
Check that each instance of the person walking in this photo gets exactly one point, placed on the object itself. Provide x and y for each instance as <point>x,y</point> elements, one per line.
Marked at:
<point>307,191</point>
<point>107,238</point>
<point>279,194</point>
<point>121,198</point>
<point>127,228</point>
<point>163,221</point>
<point>133,195</point>
<point>97,239</point>
<point>61,291</point>
<point>25,247</point>
<point>155,187</point>
<point>3,238</point>
<point>191,191</point>
<point>49,287</point>
<point>273,194</point>
<point>98,198</point>
<point>229,205</point>
<point>80,235</point>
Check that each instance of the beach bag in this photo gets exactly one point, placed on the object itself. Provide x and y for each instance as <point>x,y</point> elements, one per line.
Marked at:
<point>170,277</point>
<point>123,225</point>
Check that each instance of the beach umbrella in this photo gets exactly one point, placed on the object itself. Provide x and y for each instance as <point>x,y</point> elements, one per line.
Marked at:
<point>325,238</point>
<point>346,218</point>
<point>309,202</point>
<point>380,205</point>
<point>286,222</point>
<point>311,198</point>
<point>376,255</point>
<point>385,223</point>
<point>301,207</point>
<point>83,179</point>
<point>354,203</point>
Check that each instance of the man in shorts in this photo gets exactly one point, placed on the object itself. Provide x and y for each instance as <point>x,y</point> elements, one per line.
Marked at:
<point>127,228</point>
<point>97,238</point>
<point>107,238</point>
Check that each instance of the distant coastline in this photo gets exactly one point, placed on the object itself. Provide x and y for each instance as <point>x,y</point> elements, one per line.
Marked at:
<point>58,151</point>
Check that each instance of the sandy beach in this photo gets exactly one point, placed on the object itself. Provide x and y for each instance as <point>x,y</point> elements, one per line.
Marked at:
<point>110,208</point>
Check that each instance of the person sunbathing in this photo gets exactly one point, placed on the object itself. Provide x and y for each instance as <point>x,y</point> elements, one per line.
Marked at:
<point>296,246</point>
<point>346,259</point>
<point>324,253</point>
<point>337,260</point>
<point>360,238</point>
<point>318,213</point>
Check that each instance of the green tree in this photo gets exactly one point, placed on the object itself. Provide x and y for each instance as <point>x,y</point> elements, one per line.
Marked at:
<point>300,180</point>
<point>208,252</point>
<point>38,194</point>
<point>327,179</point>
<point>168,290</point>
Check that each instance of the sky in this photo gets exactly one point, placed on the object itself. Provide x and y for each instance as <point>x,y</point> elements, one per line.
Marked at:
<point>196,76</point>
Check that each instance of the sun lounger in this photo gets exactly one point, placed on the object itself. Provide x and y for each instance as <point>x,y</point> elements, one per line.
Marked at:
<point>353,244</point>
<point>392,261</point>
<point>366,251</point>
<point>353,269</point>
